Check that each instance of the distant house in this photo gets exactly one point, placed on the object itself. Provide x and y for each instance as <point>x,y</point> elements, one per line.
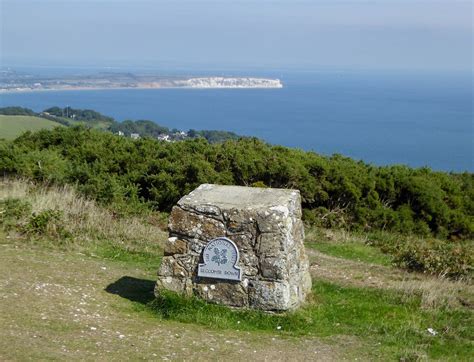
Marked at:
<point>120,133</point>
<point>163,137</point>
<point>179,135</point>
<point>135,136</point>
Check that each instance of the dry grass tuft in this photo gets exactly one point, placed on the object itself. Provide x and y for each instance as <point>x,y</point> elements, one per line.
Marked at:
<point>335,235</point>
<point>437,292</point>
<point>83,219</point>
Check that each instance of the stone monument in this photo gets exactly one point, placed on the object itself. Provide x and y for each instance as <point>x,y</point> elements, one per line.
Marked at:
<point>238,246</point>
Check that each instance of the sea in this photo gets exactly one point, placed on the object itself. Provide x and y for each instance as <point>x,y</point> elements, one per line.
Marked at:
<point>383,118</point>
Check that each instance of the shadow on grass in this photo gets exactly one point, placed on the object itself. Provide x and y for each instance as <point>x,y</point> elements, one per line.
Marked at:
<point>133,289</point>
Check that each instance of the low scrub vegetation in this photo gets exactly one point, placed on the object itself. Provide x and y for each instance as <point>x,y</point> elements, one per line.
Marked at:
<point>337,192</point>
<point>430,255</point>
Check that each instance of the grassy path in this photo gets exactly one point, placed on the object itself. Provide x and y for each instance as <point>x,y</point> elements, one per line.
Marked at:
<point>433,291</point>
<point>58,305</point>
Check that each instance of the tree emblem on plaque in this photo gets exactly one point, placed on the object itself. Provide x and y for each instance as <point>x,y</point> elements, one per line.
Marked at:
<point>220,257</point>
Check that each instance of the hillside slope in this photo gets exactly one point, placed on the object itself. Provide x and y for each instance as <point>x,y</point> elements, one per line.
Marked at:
<point>13,126</point>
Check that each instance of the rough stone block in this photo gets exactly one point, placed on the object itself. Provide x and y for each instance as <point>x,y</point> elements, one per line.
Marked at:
<point>262,226</point>
<point>270,295</point>
<point>275,268</point>
<point>233,294</point>
<point>174,284</point>
<point>189,224</point>
<point>175,245</point>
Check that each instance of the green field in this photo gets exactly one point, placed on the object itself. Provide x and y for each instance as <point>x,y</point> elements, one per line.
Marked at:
<point>13,126</point>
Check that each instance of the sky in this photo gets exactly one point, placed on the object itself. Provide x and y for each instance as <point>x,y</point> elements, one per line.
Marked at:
<point>260,34</point>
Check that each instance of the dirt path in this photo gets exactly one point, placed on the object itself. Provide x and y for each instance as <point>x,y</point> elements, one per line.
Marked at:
<point>434,291</point>
<point>58,305</point>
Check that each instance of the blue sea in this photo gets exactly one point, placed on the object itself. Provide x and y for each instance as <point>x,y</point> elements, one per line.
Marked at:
<point>417,119</point>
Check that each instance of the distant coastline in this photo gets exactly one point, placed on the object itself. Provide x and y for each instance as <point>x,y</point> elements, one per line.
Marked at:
<point>418,120</point>
<point>14,83</point>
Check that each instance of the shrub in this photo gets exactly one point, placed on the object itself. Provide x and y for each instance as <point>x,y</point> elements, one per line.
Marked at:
<point>437,257</point>
<point>46,222</point>
<point>434,256</point>
<point>12,210</point>
<point>336,191</point>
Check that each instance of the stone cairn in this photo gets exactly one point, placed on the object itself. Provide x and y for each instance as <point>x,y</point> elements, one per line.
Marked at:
<point>264,224</point>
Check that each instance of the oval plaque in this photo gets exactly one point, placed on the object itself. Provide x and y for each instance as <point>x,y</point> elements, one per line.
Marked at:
<point>220,260</point>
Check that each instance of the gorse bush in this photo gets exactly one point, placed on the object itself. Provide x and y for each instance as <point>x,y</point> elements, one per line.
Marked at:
<point>45,222</point>
<point>453,259</point>
<point>12,210</point>
<point>435,257</point>
<point>336,191</point>
<point>16,214</point>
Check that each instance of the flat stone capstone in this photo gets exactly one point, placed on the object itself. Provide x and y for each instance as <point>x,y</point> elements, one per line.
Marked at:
<point>265,225</point>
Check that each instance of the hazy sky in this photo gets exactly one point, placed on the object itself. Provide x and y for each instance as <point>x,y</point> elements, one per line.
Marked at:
<point>383,34</point>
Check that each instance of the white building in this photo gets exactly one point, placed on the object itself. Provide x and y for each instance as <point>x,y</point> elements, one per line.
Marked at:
<point>163,137</point>
<point>135,136</point>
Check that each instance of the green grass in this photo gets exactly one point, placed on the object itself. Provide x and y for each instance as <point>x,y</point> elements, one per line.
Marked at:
<point>147,260</point>
<point>13,126</point>
<point>352,251</point>
<point>340,244</point>
<point>395,324</point>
